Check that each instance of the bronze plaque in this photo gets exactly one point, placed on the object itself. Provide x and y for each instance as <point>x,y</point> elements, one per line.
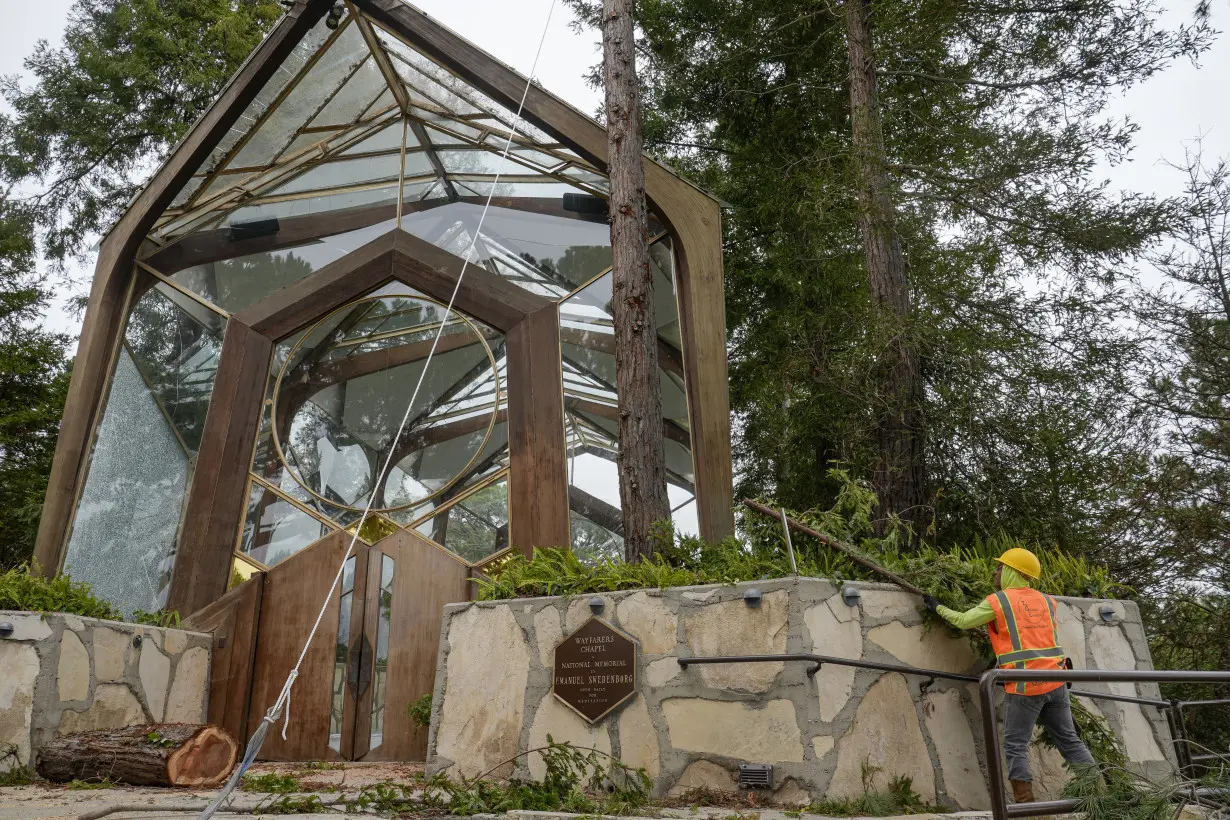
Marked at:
<point>595,669</point>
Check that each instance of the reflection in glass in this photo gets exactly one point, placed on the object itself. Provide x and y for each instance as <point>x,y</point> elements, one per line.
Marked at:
<point>177,343</point>
<point>545,254</point>
<point>337,705</point>
<point>591,409</point>
<point>235,284</point>
<point>381,670</point>
<point>475,527</point>
<point>126,524</point>
<point>345,388</point>
<point>275,529</point>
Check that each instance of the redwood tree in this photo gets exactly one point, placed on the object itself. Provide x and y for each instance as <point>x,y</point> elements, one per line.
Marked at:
<point>899,477</point>
<point>642,460</point>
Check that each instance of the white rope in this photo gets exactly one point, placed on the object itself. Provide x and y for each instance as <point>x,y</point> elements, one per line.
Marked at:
<point>283,701</point>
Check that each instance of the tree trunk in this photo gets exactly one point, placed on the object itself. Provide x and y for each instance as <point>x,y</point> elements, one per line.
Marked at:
<point>642,460</point>
<point>153,755</point>
<point>899,474</point>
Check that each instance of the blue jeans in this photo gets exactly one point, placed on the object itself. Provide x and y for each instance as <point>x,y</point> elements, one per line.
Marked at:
<point>1054,711</point>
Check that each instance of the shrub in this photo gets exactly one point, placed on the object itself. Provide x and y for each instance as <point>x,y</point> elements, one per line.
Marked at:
<point>24,589</point>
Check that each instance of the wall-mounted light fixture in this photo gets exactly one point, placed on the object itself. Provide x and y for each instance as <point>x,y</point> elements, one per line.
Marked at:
<point>596,605</point>
<point>6,629</point>
<point>752,596</point>
<point>851,595</point>
<point>1108,612</point>
<point>136,641</point>
<point>335,16</point>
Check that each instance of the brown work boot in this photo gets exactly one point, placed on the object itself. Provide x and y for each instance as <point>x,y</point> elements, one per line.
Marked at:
<point>1022,791</point>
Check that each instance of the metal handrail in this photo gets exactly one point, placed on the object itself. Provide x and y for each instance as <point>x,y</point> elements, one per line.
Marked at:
<point>819,660</point>
<point>1001,809</point>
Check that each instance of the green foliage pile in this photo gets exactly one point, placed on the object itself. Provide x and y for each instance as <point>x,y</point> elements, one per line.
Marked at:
<point>582,781</point>
<point>1114,793</point>
<point>271,783</point>
<point>24,590</point>
<point>959,576</point>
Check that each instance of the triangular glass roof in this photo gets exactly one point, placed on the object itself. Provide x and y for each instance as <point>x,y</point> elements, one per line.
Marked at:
<point>357,118</point>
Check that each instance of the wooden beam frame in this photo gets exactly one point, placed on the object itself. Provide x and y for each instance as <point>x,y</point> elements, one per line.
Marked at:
<point>693,218</point>
<point>538,484</point>
<point>104,320</point>
<point>216,503</point>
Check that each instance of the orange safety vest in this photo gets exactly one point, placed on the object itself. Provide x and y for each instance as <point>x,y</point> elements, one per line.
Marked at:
<point>1023,636</point>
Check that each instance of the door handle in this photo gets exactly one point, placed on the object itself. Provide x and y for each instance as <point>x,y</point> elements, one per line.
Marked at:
<point>365,667</point>
<point>353,666</point>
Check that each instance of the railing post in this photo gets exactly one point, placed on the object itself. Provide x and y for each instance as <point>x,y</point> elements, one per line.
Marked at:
<point>990,734</point>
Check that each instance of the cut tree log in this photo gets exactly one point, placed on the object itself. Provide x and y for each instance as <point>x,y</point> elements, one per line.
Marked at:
<point>174,754</point>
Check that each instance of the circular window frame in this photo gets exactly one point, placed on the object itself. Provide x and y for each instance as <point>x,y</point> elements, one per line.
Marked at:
<point>448,485</point>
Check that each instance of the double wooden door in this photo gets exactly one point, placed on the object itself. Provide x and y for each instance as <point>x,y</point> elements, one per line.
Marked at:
<point>374,653</point>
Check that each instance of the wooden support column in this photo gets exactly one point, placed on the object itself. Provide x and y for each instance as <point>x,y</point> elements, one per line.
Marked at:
<point>702,321</point>
<point>104,315</point>
<point>538,482</point>
<point>216,504</point>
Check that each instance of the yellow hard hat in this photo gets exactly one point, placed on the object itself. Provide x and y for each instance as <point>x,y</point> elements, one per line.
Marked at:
<point>1023,561</point>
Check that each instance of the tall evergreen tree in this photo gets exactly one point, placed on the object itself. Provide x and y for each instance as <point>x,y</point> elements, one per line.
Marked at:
<point>33,383</point>
<point>993,118</point>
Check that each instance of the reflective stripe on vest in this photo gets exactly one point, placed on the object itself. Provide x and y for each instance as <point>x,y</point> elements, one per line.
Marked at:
<point>1009,639</point>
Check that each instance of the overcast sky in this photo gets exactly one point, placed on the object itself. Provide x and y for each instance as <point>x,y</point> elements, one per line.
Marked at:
<point>1173,108</point>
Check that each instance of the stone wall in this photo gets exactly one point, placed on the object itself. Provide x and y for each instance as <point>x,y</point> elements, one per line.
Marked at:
<point>61,674</point>
<point>691,728</point>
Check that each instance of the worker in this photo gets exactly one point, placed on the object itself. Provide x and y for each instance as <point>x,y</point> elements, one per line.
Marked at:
<point>1021,625</point>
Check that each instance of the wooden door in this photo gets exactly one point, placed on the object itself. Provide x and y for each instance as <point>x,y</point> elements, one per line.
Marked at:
<point>374,653</point>
<point>409,581</point>
<point>321,716</point>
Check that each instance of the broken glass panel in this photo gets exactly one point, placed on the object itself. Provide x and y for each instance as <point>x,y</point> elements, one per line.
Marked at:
<point>289,67</point>
<point>332,68</point>
<point>344,391</point>
<point>354,98</point>
<point>126,524</point>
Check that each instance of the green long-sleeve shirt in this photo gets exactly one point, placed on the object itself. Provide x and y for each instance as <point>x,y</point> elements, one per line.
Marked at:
<point>982,614</point>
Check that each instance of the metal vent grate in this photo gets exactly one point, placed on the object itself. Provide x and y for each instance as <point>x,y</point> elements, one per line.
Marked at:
<point>755,776</point>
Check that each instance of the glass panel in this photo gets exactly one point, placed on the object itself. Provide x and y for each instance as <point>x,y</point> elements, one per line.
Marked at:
<point>176,343</point>
<point>306,47</point>
<point>387,139</point>
<point>474,528</point>
<point>324,203</point>
<point>127,520</point>
<point>331,69</point>
<point>275,529</point>
<point>433,81</point>
<point>235,284</point>
<point>592,410</point>
<point>343,392</point>
<point>341,174</point>
<point>547,255</point>
<point>337,705</point>
<point>380,676</point>
<point>354,98</point>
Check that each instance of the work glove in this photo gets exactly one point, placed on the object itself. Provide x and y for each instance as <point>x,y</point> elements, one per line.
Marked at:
<point>930,602</point>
